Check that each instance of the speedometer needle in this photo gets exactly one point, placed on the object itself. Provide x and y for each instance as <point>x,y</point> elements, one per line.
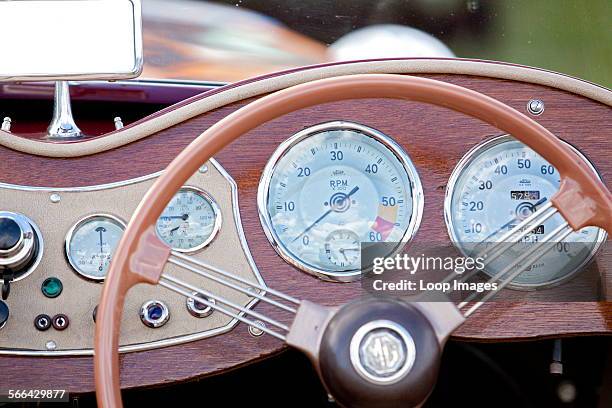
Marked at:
<point>353,191</point>
<point>506,225</point>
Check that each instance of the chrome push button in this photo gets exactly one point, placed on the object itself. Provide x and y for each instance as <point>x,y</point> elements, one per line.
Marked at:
<point>154,314</point>
<point>199,309</point>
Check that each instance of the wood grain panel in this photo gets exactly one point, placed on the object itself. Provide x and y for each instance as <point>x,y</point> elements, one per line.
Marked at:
<point>434,137</point>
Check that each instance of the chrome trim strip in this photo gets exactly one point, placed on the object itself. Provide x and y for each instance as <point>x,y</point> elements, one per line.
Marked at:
<point>166,342</point>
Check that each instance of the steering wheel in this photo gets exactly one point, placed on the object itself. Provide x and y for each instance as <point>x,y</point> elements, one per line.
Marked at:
<point>328,336</point>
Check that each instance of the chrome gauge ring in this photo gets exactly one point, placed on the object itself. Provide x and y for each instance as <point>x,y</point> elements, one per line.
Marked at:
<point>333,186</point>
<point>494,187</point>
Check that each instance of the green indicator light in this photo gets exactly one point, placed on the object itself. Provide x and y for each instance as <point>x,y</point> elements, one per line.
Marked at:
<point>52,287</point>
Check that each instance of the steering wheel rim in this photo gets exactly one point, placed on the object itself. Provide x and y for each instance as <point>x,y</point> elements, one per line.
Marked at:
<point>141,256</point>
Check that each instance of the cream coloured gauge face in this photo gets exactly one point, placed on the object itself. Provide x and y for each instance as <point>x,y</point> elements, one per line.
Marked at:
<point>333,186</point>
<point>496,186</point>
<point>91,243</point>
<point>190,221</point>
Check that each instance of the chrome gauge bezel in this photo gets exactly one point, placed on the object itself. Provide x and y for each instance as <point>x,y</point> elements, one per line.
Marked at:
<point>216,226</point>
<point>70,235</point>
<point>465,162</point>
<point>270,168</point>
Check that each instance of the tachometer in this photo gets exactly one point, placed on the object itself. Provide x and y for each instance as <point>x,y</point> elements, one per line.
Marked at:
<point>333,186</point>
<point>497,185</point>
<point>190,221</point>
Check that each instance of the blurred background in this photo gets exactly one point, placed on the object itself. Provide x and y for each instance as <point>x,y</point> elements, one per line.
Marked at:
<point>227,41</point>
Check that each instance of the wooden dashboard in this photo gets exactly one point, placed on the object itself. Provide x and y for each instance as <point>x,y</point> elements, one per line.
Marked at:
<point>435,138</point>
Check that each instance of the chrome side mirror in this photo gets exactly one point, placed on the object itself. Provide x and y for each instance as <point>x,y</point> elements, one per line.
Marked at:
<point>70,40</point>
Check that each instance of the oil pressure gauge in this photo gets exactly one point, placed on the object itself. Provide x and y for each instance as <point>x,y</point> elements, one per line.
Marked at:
<point>90,245</point>
<point>190,221</point>
<point>330,188</point>
<point>498,184</point>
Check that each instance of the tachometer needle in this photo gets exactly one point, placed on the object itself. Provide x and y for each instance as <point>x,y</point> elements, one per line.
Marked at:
<point>353,191</point>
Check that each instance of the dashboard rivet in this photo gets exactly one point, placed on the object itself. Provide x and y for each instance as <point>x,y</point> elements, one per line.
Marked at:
<point>51,345</point>
<point>535,107</point>
<point>55,198</point>
<point>255,330</point>
<point>203,169</point>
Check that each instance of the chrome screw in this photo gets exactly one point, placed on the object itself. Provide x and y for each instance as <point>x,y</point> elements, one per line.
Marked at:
<point>118,123</point>
<point>256,331</point>
<point>203,169</point>
<point>6,124</point>
<point>535,107</point>
<point>51,345</point>
<point>55,198</point>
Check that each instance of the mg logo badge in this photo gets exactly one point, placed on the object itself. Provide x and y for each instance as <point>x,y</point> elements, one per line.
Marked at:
<point>382,351</point>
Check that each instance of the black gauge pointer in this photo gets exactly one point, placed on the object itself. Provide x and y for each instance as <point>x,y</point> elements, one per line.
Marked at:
<point>101,230</point>
<point>353,191</point>
<point>183,217</point>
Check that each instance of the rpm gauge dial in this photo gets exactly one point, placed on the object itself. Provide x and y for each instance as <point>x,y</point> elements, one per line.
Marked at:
<point>333,186</point>
<point>190,221</point>
<point>497,185</point>
<point>90,245</point>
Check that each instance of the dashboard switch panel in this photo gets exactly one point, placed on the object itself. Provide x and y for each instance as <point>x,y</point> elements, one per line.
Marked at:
<point>76,259</point>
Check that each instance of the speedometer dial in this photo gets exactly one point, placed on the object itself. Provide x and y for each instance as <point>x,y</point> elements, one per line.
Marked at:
<point>496,186</point>
<point>333,186</point>
<point>190,221</point>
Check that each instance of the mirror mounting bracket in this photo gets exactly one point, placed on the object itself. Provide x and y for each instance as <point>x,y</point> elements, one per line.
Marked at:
<point>63,126</point>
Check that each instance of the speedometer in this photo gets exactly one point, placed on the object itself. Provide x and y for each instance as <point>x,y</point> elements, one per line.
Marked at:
<point>497,185</point>
<point>333,186</point>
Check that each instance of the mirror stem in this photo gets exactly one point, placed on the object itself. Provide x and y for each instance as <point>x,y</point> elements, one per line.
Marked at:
<point>62,125</point>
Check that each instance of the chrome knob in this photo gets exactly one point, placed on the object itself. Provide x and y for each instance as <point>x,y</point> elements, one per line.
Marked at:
<point>20,248</point>
<point>18,242</point>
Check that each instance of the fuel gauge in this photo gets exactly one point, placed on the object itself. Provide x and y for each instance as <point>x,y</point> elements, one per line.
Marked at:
<point>90,245</point>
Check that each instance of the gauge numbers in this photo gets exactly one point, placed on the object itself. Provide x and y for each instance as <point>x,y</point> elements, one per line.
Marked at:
<point>190,221</point>
<point>90,245</point>
<point>333,186</point>
<point>496,186</point>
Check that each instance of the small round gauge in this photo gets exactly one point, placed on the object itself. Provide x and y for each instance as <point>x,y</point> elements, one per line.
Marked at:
<point>497,185</point>
<point>333,186</point>
<point>342,248</point>
<point>90,244</point>
<point>190,221</point>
